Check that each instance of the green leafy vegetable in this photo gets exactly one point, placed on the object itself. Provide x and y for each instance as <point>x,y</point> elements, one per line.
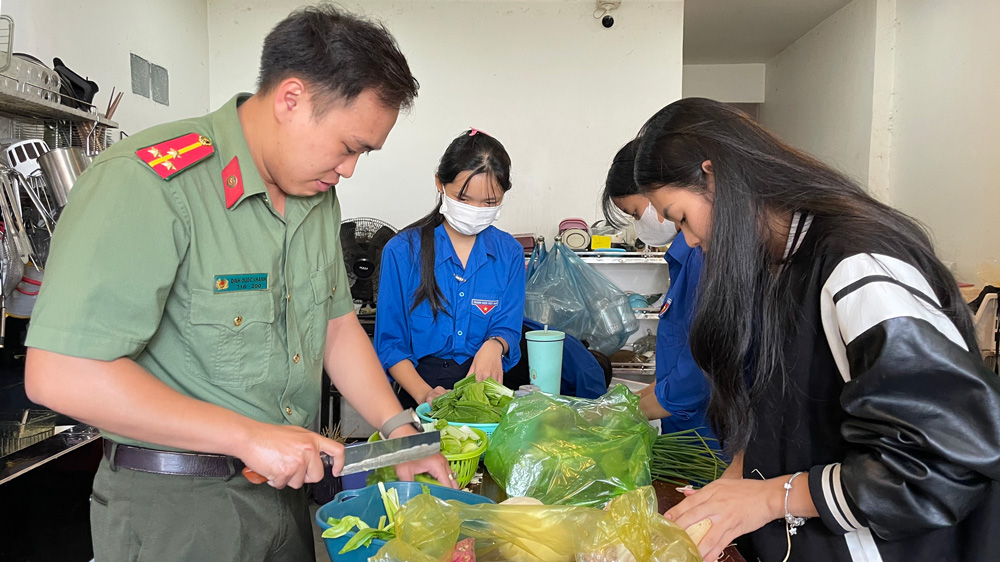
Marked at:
<point>473,402</point>
<point>366,534</point>
<point>364,537</point>
<point>341,527</point>
<point>454,440</point>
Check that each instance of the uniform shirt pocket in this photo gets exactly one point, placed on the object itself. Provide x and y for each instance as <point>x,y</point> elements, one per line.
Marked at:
<point>232,336</point>
<point>324,287</point>
<point>484,308</point>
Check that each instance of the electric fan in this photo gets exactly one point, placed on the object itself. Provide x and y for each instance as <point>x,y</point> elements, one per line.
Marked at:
<point>362,240</point>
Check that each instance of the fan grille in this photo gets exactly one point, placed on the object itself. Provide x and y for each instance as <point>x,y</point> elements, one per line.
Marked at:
<point>362,241</point>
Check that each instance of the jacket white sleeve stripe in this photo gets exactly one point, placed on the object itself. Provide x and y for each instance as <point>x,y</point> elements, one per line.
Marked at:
<point>867,289</point>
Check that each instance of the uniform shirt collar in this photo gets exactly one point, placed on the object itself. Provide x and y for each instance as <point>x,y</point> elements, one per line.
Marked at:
<point>485,241</point>
<point>230,143</point>
<point>679,249</point>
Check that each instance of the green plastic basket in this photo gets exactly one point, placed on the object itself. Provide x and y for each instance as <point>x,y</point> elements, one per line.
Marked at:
<point>464,465</point>
<point>424,412</point>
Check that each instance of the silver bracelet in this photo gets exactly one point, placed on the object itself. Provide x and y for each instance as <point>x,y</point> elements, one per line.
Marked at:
<point>792,522</point>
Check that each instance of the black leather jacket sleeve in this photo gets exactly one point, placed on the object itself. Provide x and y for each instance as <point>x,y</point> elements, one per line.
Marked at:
<point>923,431</point>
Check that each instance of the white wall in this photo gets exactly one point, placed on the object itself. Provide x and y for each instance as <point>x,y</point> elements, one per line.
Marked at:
<point>560,91</point>
<point>95,39</point>
<point>730,83</point>
<point>945,161</point>
<point>819,90</point>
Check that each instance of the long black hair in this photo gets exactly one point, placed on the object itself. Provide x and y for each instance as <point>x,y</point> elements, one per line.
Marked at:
<point>743,305</point>
<point>620,183</point>
<point>472,151</point>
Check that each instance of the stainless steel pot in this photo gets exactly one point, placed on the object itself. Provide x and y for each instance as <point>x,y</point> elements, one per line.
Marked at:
<point>61,167</point>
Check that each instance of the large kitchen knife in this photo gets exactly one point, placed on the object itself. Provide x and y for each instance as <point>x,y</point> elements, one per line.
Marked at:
<point>368,456</point>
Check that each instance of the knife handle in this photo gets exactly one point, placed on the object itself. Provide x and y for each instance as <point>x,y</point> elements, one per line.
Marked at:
<point>253,477</point>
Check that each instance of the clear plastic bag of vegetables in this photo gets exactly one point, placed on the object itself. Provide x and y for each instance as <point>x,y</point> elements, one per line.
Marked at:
<point>569,295</point>
<point>572,451</point>
<point>629,529</point>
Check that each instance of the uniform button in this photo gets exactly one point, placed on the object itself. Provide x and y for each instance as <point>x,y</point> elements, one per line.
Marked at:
<point>461,294</point>
<point>288,297</point>
<point>460,332</point>
<point>237,321</point>
<point>334,289</point>
<point>288,410</point>
<point>296,358</point>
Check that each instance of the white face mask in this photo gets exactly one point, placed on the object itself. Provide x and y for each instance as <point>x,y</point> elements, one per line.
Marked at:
<point>653,232</point>
<point>468,219</point>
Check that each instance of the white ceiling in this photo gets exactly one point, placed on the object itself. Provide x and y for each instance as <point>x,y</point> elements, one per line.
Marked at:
<point>741,31</point>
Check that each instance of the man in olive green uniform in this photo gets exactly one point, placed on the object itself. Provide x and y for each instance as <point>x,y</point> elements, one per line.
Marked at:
<point>196,290</point>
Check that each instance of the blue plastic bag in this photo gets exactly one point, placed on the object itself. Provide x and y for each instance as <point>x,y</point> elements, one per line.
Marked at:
<point>569,295</point>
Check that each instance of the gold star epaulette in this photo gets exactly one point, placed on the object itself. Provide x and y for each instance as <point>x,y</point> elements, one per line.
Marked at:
<point>172,157</point>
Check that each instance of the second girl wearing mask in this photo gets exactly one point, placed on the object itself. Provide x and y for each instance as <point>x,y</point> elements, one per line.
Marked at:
<point>451,290</point>
<point>679,397</point>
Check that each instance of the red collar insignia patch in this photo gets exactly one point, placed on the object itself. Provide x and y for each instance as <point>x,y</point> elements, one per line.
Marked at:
<point>485,306</point>
<point>233,180</point>
<point>172,157</point>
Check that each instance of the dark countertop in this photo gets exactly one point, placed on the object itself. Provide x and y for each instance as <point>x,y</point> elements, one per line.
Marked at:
<point>31,457</point>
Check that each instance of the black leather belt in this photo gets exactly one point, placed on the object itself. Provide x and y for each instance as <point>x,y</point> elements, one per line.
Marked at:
<point>171,462</point>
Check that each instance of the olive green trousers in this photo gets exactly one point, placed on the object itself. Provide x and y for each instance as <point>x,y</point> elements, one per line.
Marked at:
<point>139,516</point>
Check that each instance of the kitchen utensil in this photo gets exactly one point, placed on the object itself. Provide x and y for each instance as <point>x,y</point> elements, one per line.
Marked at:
<point>28,77</point>
<point>13,224</point>
<point>23,156</point>
<point>6,42</point>
<point>576,238</point>
<point>61,167</point>
<point>35,188</point>
<point>424,413</point>
<point>545,354</point>
<point>12,267</point>
<point>573,222</point>
<point>367,456</point>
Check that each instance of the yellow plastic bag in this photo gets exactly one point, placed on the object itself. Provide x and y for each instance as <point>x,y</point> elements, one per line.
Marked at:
<point>629,529</point>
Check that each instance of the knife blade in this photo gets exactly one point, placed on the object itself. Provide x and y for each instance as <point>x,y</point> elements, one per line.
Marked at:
<point>367,456</point>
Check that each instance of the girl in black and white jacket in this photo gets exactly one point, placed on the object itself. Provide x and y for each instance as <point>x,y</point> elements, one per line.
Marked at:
<point>868,426</point>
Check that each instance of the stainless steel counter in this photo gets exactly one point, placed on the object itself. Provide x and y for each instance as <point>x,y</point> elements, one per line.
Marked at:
<point>34,456</point>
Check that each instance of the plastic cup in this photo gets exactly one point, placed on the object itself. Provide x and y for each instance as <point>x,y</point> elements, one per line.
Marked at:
<point>545,353</point>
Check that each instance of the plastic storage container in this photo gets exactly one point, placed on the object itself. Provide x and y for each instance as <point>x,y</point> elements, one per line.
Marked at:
<point>464,465</point>
<point>424,412</point>
<point>366,503</point>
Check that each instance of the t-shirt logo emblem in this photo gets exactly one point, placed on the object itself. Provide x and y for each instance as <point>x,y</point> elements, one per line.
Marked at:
<point>485,306</point>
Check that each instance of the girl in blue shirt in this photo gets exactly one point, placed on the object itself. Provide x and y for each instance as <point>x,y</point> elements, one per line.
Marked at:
<point>679,397</point>
<point>451,288</point>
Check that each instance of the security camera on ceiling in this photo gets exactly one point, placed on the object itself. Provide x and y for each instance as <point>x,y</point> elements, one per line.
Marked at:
<point>604,9</point>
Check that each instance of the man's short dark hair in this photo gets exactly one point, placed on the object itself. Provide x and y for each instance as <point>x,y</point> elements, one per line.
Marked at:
<point>340,53</point>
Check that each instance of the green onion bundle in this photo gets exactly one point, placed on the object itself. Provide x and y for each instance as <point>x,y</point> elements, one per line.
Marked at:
<point>684,457</point>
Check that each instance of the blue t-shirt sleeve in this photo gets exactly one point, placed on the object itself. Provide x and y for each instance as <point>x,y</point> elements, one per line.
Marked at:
<point>683,390</point>
<point>392,330</point>
<point>681,386</point>
<point>507,324</point>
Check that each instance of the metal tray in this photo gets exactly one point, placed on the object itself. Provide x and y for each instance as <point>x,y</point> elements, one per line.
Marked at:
<point>19,429</point>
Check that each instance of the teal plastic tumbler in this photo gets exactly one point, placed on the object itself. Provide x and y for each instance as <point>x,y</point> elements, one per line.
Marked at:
<point>545,353</point>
